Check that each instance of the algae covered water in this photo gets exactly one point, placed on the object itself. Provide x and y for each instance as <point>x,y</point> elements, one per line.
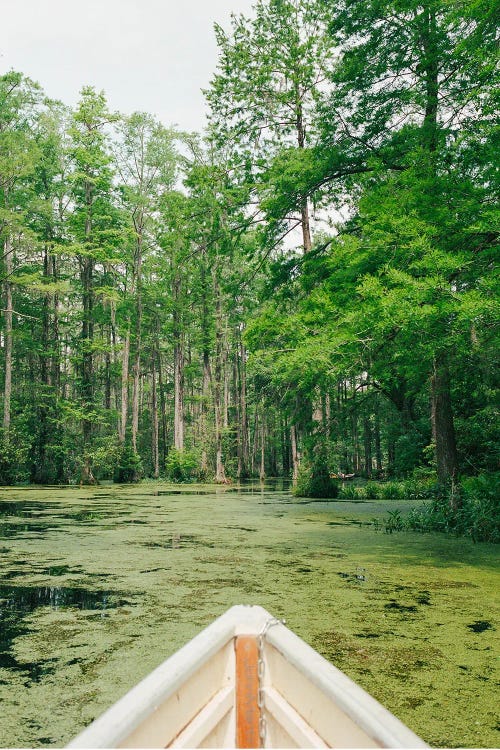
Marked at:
<point>99,585</point>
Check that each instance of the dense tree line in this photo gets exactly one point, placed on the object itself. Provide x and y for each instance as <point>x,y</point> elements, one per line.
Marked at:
<point>312,279</point>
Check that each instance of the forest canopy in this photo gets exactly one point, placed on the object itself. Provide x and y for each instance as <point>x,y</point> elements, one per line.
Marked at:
<point>311,280</point>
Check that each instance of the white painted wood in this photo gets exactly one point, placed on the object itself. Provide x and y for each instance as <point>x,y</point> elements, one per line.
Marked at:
<point>179,709</point>
<point>223,734</point>
<point>204,724</point>
<point>302,734</point>
<point>139,704</point>
<point>188,696</point>
<point>340,693</point>
<point>335,727</point>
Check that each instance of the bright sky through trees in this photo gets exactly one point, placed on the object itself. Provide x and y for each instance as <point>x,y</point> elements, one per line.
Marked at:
<point>149,55</point>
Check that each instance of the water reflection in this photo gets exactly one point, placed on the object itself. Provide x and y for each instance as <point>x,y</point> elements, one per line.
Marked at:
<point>17,602</point>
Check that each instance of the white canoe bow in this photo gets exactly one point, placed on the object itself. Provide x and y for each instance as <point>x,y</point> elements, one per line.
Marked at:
<point>247,681</point>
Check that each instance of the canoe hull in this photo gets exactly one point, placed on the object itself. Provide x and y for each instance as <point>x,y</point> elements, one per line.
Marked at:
<point>198,698</point>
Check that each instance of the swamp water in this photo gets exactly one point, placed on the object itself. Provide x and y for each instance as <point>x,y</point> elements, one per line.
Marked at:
<point>99,585</point>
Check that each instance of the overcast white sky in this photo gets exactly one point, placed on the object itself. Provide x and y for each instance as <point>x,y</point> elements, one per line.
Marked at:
<point>147,55</point>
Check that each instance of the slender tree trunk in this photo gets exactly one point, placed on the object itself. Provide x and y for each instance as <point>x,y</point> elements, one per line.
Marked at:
<point>207,379</point>
<point>304,209</point>
<point>225,372</point>
<point>87,367</point>
<point>163,414</point>
<point>367,444</point>
<point>136,368</point>
<point>262,472</point>
<point>243,411</point>
<point>431,74</point>
<point>253,447</point>
<point>285,447</point>
<point>178,370</point>
<point>124,384</point>
<point>220,472</point>
<point>443,429</point>
<point>56,344</point>
<point>207,372</point>
<point>355,442</point>
<point>107,370</point>
<point>295,453</point>
<point>40,472</point>
<point>8,264</point>
<point>378,447</point>
<point>154,414</point>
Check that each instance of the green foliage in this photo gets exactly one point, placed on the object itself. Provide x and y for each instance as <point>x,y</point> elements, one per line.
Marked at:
<point>314,480</point>
<point>129,465</point>
<point>408,453</point>
<point>120,282</point>
<point>109,459</point>
<point>373,490</point>
<point>349,491</point>
<point>471,509</point>
<point>14,455</point>
<point>182,466</point>
<point>394,521</point>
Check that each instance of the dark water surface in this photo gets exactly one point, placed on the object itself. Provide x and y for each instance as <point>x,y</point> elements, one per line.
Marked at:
<point>97,586</point>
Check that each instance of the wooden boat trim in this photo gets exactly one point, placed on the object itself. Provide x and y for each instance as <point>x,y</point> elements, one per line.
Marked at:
<point>121,724</point>
<point>206,720</point>
<point>291,721</point>
<point>368,713</point>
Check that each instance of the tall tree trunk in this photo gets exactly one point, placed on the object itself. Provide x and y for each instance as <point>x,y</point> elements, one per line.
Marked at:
<point>220,471</point>
<point>295,453</point>
<point>8,264</point>
<point>207,379</point>
<point>262,471</point>
<point>40,472</point>
<point>285,447</point>
<point>243,453</point>
<point>304,208</point>
<point>154,418</point>
<point>124,385</point>
<point>443,429</point>
<point>178,368</point>
<point>225,371</point>
<point>207,372</point>
<point>87,367</point>
<point>56,344</point>
<point>367,444</point>
<point>253,442</point>
<point>355,442</point>
<point>107,369</point>
<point>430,69</point>
<point>163,414</point>
<point>378,446</point>
<point>136,368</point>
<point>87,336</point>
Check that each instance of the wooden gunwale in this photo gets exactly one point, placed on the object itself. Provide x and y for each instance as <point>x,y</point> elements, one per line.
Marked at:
<point>294,672</point>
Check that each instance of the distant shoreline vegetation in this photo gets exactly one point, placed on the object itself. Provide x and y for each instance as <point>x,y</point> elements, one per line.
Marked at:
<point>305,289</point>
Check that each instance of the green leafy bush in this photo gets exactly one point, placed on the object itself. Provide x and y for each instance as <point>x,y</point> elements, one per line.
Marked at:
<point>394,521</point>
<point>182,466</point>
<point>373,490</point>
<point>314,480</point>
<point>107,455</point>
<point>129,467</point>
<point>13,459</point>
<point>393,490</point>
<point>475,512</point>
<point>480,511</point>
<point>352,492</point>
